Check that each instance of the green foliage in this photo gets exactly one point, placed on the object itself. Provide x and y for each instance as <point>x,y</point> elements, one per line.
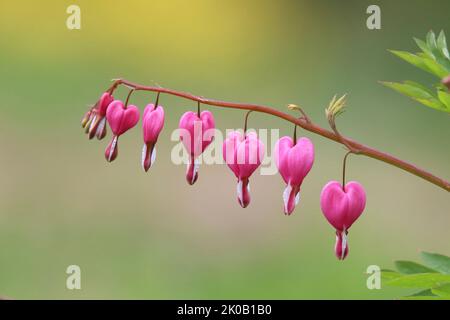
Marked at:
<point>433,278</point>
<point>409,267</point>
<point>436,261</point>
<point>434,58</point>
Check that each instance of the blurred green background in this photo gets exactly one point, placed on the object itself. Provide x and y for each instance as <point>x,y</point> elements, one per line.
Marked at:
<point>140,236</point>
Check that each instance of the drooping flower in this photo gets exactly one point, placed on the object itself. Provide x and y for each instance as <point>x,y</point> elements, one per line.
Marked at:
<point>152,124</point>
<point>342,207</point>
<point>293,161</point>
<point>243,155</point>
<point>120,118</point>
<point>196,133</point>
<point>87,118</point>
<point>97,126</point>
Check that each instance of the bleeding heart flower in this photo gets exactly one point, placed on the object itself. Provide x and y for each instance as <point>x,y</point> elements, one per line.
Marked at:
<point>196,133</point>
<point>243,155</point>
<point>152,124</point>
<point>342,207</point>
<point>87,118</point>
<point>120,118</point>
<point>97,125</point>
<point>293,162</point>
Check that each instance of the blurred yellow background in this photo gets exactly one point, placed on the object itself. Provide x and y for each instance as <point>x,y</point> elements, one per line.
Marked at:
<point>140,236</point>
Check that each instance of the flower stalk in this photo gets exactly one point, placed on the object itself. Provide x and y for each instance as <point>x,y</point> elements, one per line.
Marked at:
<point>304,123</point>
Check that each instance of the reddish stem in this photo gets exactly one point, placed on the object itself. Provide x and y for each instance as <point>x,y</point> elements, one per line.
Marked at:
<point>307,125</point>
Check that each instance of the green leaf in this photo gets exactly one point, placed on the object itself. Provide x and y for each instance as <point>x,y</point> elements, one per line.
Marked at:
<point>431,40</point>
<point>388,275</point>
<point>437,261</point>
<point>422,298</point>
<point>445,98</point>
<point>420,280</point>
<point>424,47</point>
<point>423,295</point>
<point>418,93</point>
<point>442,44</point>
<point>433,52</point>
<point>409,89</point>
<point>409,267</point>
<point>436,68</point>
<point>426,292</point>
<point>433,103</point>
<point>442,291</point>
<point>421,86</point>
<point>413,59</point>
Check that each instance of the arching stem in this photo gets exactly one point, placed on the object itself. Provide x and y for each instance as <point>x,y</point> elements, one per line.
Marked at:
<point>309,126</point>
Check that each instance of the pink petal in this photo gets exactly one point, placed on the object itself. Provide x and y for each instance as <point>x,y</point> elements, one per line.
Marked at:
<point>121,119</point>
<point>342,208</point>
<point>300,160</point>
<point>229,148</point>
<point>152,123</point>
<point>282,147</point>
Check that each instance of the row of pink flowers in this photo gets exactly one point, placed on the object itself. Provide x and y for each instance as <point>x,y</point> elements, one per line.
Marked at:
<point>242,152</point>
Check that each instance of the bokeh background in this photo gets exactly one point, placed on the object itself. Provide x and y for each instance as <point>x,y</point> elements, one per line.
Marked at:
<point>140,236</point>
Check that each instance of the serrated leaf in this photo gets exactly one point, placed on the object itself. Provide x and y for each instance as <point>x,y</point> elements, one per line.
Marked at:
<point>442,291</point>
<point>437,261</point>
<point>444,97</point>
<point>442,44</point>
<point>410,267</point>
<point>413,59</point>
<point>420,280</point>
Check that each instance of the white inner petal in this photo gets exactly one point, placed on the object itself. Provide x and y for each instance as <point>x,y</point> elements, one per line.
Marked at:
<point>113,147</point>
<point>144,152</point>
<point>93,122</point>
<point>297,198</point>
<point>239,190</point>
<point>344,243</point>
<point>153,156</point>
<point>101,126</point>
<point>286,193</point>
<point>196,167</point>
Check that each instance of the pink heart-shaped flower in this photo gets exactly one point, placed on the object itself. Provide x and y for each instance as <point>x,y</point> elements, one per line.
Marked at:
<point>98,124</point>
<point>293,162</point>
<point>342,207</point>
<point>121,118</point>
<point>243,155</point>
<point>196,133</point>
<point>152,124</point>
